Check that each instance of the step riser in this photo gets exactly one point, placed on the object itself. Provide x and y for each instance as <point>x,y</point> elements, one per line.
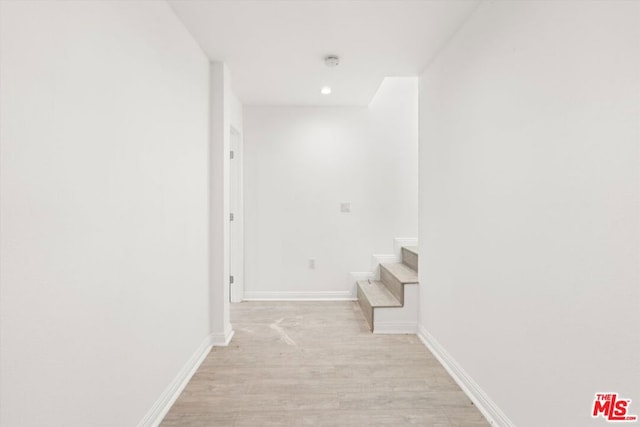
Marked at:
<point>366,308</point>
<point>393,284</point>
<point>410,259</point>
<point>399,320</point>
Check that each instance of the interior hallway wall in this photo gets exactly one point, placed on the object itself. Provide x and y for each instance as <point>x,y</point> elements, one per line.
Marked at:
<point>103,209</point>
<point>300,164</point>
<point>529,219</point>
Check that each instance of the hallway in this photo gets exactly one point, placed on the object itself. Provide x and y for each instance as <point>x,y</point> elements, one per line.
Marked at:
<point>316,363</point>
<point>193,193</point>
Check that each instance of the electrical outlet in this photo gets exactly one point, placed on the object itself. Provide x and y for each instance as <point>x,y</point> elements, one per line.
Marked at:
<point>345,207</point>
<point>312,263</point>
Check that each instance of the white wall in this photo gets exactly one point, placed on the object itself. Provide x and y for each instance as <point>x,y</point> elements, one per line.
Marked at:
<point>300,164</point>
<point>529,272</point>
<point>104,287</point>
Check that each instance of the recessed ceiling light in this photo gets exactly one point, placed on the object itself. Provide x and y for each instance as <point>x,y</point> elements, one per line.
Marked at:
<point>326,90</point>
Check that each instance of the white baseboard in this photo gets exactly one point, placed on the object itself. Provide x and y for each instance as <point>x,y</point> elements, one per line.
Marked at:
<point>154,417</point>
<point>485,405</point>
<point>222,339</point>
<point>395,327</point>
<point>299,296</point>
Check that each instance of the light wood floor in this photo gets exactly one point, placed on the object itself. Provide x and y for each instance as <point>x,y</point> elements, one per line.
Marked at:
<point>317,364</point>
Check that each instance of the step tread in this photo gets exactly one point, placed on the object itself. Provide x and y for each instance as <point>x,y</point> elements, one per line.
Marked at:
<point>413,249</point>
<point>402,272</point>
<point>378,294</point>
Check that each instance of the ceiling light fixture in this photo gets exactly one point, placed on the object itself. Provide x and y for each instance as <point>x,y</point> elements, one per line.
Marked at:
<point>331,61</point>
<point>326,90</point>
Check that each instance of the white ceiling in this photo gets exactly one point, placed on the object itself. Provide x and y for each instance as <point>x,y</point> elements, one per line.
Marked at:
<point>275,49</point>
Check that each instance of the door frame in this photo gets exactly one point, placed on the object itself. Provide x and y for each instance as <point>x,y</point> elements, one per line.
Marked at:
<point>236,207</point>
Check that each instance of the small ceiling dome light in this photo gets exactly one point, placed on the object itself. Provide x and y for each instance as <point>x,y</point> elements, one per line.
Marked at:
<point>326,90</point>
<point>331,61</point>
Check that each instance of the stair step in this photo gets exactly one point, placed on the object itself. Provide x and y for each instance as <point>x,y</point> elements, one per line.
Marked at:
<point>401,272</point>
<point>388,294</point>
<point>413,249</point>
<point>374,294</point>
<point>395,276</point>
<point>410,256</point>
<point>378,294</point>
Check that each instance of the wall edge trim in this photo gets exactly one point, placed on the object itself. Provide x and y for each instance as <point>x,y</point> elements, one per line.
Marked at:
<point>163,404</point>
<point>487,407</point>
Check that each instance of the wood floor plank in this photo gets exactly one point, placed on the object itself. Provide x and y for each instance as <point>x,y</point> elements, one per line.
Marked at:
<point>317,364</point>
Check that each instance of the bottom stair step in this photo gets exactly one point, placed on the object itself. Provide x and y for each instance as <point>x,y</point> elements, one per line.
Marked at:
<point>372,294</point>
<point>378,294</point>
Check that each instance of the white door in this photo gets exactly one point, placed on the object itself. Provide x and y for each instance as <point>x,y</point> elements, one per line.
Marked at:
<point>236,237</point>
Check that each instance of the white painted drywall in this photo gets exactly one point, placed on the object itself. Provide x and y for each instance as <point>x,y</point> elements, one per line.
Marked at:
<point>529,237</point>
<point>300,164</point>
<point>103,215</point>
